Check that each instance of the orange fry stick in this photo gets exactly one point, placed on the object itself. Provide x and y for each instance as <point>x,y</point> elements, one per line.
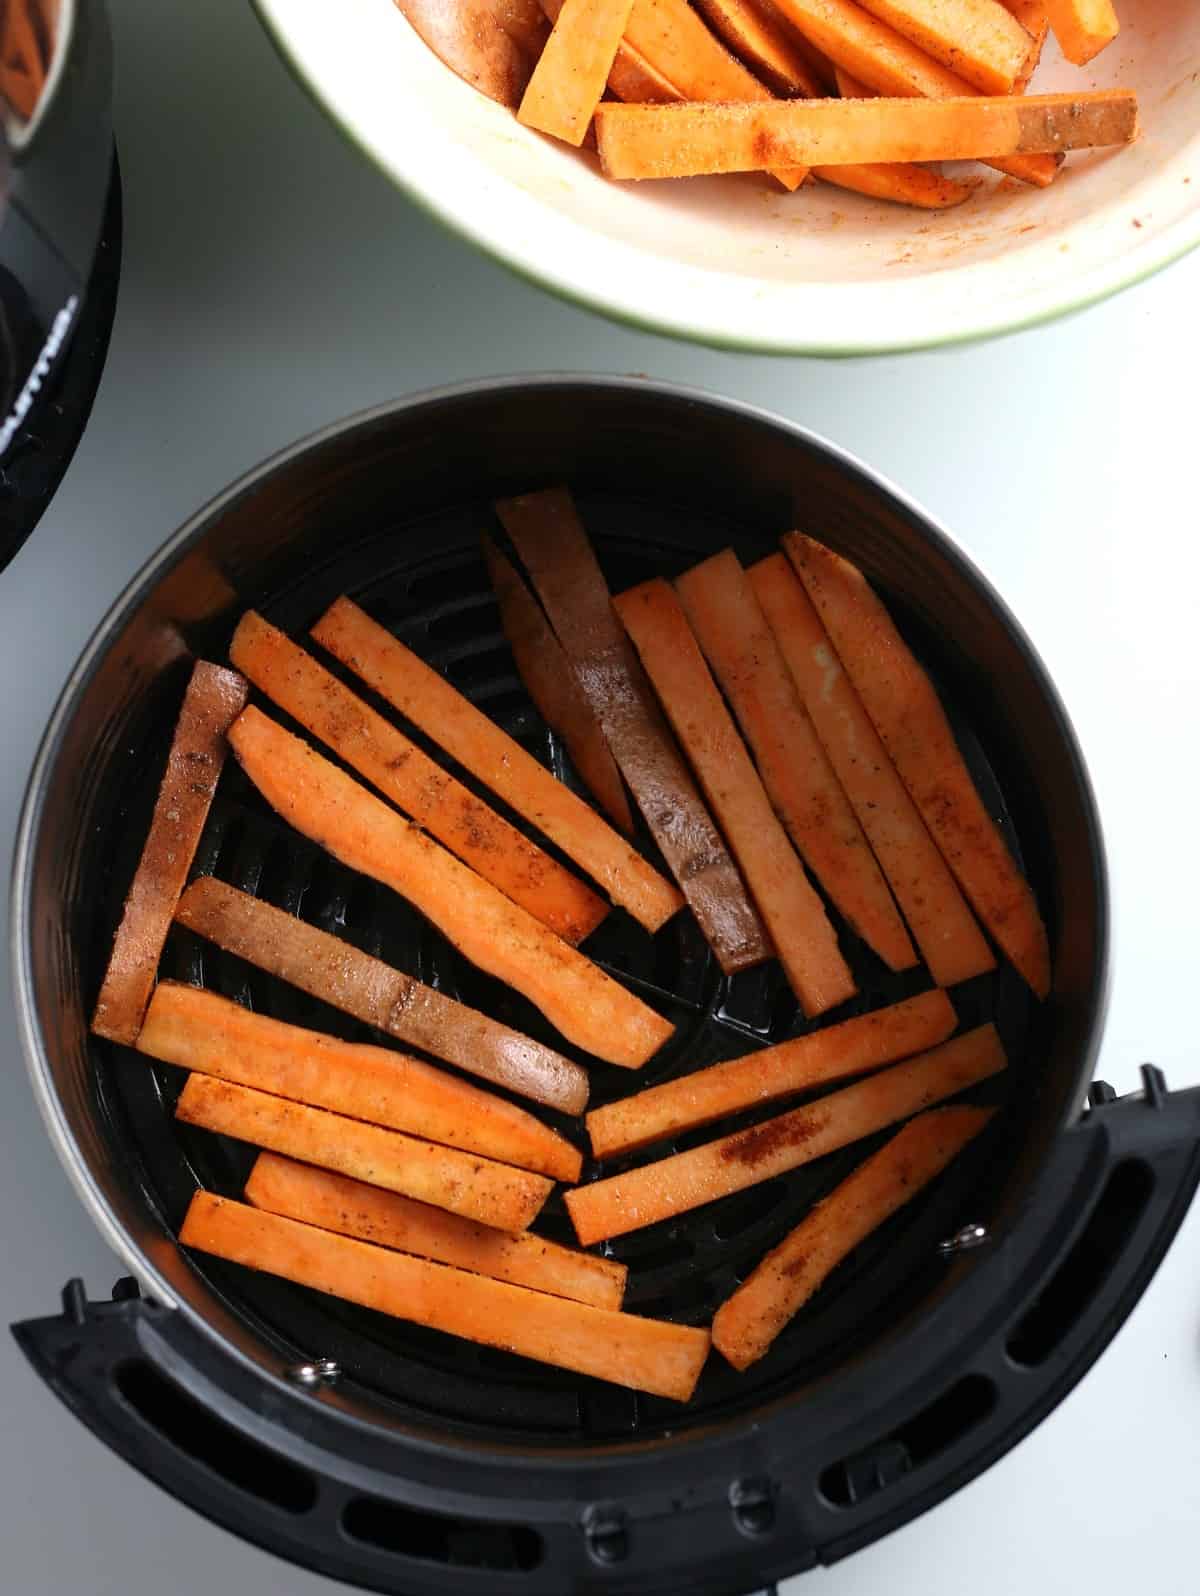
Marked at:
<point>571,72</point>
<point>352,1208</point>
<point>741,649</point>
<point>202,1031</point>
<point>442,713</point>
<point>643,1354</point>
<point>1082,27</point>
<point>851,1048</point>
<point>952,945</point>
<point>331,809</point>
<point>1031,14</point>
<point>212,702</point>
<point>747,1324</point>
<point>339,974</point>
<point>912,725</point>
<point>978,39</point>
<point>465,1183</point>
<point>675,1185</point>
<point>401,771</point>
<point>765,45</point>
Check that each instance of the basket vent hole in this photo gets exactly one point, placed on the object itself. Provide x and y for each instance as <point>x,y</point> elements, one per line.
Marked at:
<point>1087,1266</point>
<point>439,1538</point>
<point>192,1429</point>
<point>931,1431</point>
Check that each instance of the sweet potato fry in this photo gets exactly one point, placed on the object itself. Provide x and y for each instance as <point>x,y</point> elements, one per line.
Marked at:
<point>212,702</point>
<point>901,182</point>
<point>339,974</point>
<point>685,1181</point>
<point>1031,14</point>
<point>951,943</point>
<point>401,771</point>
<point>1082,27</point>
<point>442,713</point>
<point>888,63</point>
<point>747,1324</point>
<point>563,567</point>
<point>634,79</point>
<point>834,1053</point>
<point>977,39</point>
<point>656,141</point>
<point>334,1202</point>
<point>805,941</point>
<point>490,44</point>
<point>643,1354</point>
<point>741,649</point>
<point>569,78</point>
<point>550,681</point>
<point>202,1031</point>
<point>767,47</point>
<point>465,1183</point>
<point>900,699</point>
<point>331,809</point>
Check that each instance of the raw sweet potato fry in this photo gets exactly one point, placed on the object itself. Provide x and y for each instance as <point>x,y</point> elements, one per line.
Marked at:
<point>212,702</point>
<point>1082,27</point>
<point>569,78</point>
<point>685,1181</point>
<point>480,746</point>
<point>644,1354</point>
<point>352,1208</point>
<point>901,701</point>
<point>805,941</point>
<point>902,182</point>
<point>656,141</point>
<point>767,47</point>
<point>339,974</point>
<point>401,771</point>
<point>740,647</point>
<point>550,681</point>
<point>951,943</point>
<point>977,39</point>
<point>330,808</point>
<point>748,1322</point>
<point>563,567</point>
<point>465,1183</point>
<point>1031,14</point>
<point>634,79</point>
<point>851,1048</point>
<point>888,63</point>
<point>202,1031</point>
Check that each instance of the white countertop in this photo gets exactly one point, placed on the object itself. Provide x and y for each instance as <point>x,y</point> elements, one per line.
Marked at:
<point>272,283</point>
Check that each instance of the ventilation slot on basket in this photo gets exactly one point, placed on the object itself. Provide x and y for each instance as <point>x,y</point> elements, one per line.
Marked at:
<point>922,1438</point>
<point>436,1538</point>
<point>1087,1266</point>
<point>189,1427</point>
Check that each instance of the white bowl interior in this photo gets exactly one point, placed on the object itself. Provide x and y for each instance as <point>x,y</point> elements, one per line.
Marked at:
<point>736,261</point>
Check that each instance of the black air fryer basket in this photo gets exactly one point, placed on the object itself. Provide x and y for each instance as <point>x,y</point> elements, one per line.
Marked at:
<point>400,1459</point>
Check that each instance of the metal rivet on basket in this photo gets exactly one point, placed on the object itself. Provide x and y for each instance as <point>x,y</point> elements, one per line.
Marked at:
<point>324,1372</point>
<point>753,1504</point>
<point>964,1240</point>
<point>606,1534</point>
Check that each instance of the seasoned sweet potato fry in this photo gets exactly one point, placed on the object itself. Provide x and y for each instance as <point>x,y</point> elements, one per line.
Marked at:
<point>401,771</point>
<point>902,182</point>
<point>644,1354</point>
<point>805,941</point>
<point>901,701</point>
<point>1082,27</point>
<point>563,567</point>
<point>888,63</point>
<point>202,1031</point>
<point>465,1183</point>
<point>212,702</point>
<point>951,943</point>
<point>550,681</point>
<point>977,39</point>
<point>656,141</point>
<point>741,649</point>
<point>1031,14</point>
<point>768,48</point>
<point>339,974</point>
<point>331,809</point>
<point>442,713</point>
<point>352,1208</point>
<point>685,1181</point>
<point>747,1324</point>
<point>569,78</point>
<point>851,1048</point>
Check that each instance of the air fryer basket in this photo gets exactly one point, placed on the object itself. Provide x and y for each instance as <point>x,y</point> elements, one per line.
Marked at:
<point>415,1454</point>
